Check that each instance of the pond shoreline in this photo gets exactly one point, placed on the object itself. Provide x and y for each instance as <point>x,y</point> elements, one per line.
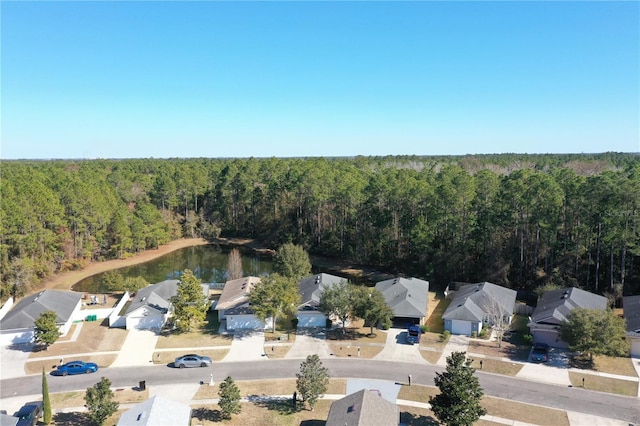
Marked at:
<point>66,280</point>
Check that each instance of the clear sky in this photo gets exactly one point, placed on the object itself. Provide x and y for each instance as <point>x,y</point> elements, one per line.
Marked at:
<point>261,79</point>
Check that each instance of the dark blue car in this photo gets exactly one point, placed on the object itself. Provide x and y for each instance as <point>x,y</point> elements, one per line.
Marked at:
<point>75,367</point>
<point>29,414</point>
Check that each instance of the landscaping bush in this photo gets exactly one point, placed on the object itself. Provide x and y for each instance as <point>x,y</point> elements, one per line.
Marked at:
<point>474,334</point>
<point>445,336</point>
<point>424,328</point>
<point>294,323</point>
<point>528,338</point>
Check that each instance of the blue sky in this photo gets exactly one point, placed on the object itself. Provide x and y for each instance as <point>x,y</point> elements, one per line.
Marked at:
<point>261,79</point>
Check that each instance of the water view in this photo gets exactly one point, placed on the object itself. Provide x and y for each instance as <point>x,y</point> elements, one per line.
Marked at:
<point>207,263</point>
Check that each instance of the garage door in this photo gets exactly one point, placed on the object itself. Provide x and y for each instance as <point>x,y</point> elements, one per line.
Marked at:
<point>461,327</point>
<point>548,337</point>
<point>312,320</point>
<point>635,347</point>
<point>239,322</point>
<point>149,322</point>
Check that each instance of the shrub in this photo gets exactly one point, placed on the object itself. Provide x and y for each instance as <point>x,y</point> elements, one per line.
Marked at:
<point>445,335</point>
<point>474,334</point>
<point>294,323</point>
<point>528,338</point>
<point>424,328</point>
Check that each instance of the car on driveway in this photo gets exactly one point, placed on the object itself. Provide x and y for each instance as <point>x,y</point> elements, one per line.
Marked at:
<point>75,367</point>
<point>540,352</point>
<point>29,414</point>
<point>192,360</point>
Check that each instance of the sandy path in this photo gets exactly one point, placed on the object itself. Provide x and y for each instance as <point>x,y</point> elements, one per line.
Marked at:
<point>65,280</point>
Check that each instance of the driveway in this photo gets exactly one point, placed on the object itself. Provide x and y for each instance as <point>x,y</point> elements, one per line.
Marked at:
<point>13,359</point>
<point>554,371</point>
<point>308,342</point>
<point>456,343</point>
<point>246,346</point>
<point>137,349</point>
<point>396,348</point>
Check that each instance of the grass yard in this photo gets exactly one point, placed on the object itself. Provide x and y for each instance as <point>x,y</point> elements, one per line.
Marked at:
<point>207,335</point>
<point>496,366</point>
<point>437,305</point>
<point>35,367</point>
<point>350,350</point>
<point>527,413</point>
<point>94,337</point>
<point>76,399</point>
<point>508,350</point>
<point>604,364</point>
<point>604,384</point>
<point>276,351</point>
<point>356,333</point>
<point>433,340</point>
<point>166,357</point>
<point>431,357</point>
<point>268,387</point>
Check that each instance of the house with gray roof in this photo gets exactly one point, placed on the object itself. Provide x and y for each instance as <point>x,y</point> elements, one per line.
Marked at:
<point>473,305</point>
<point>363,408</point>
<point>17,326</point>
<point>150,308</point>
<point>234,308</point>
<point>157,411</point>
<point>554,307</point>
<point>631,307</point>
<point>310,289</point>
<point>407,298</point>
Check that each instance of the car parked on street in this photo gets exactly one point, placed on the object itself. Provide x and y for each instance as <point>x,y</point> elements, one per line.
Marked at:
<point>75,367</point>
<point>29,414</point>
<point>540,352</point>
<point>192,360</point>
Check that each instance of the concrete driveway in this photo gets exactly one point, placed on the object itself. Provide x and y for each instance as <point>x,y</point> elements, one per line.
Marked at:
<point>555,370</point>
<point>396,348</point>
<point>13,359</point>
<point>309,342</point>
<point>246,346</point>
<point>137,349</point>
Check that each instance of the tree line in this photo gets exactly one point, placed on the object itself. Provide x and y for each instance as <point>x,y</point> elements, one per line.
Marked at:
<point>521,221</point>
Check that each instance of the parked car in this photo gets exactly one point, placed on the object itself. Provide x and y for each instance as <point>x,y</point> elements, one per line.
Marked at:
<point>75,367</point>
<point>29,414</point>
<point>192,360</point>
<point>414,332</point>
<point>540,352</point>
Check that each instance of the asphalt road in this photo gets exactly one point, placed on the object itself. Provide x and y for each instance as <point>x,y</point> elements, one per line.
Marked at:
<point>564,398</point>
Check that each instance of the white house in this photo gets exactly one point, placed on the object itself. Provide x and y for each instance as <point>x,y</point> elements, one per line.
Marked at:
<point>17,326</point>
<point>234,308</point>
<point>631,306</point>
<point>310,289</point>
<point>157,411</point>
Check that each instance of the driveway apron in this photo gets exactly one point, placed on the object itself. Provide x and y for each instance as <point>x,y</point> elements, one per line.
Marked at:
<point>455,344</point>
<point>308,344</point>
<point>246,346</point>
<point>396,348</point>
<point>137,349</point>
<point>13,359</point>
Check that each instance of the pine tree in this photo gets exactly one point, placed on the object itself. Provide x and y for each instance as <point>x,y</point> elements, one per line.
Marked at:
<point>46,401</point>
<point>46,328</point>
<point>100,402</point>
<point>292,261</point>
<point>458,403</point>
<point>229,398</point>
<point>313,380</point>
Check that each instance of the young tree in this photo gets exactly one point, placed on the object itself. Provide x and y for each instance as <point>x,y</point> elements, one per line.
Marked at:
<point>274,296</point>
<point>113,281</point>
<point>46,401</point>
<point>133,284</point>
<point>234,265</point>
<point>190,304</point>
<point>292,261</point>
<point>313,380</point>
<point>229,398</point>
<point>595,331</point>
<point>496,315</point>
<point>100,401</point>
<point>369,304</point>
<point>337,301</point>
<point>46,328</point>
<point>458,403</point>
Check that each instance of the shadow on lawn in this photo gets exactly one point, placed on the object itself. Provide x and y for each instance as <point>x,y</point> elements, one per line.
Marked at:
<point>283,406</point>
<point>410,419</point>
<point>71,419</point>
<point>204,413</point>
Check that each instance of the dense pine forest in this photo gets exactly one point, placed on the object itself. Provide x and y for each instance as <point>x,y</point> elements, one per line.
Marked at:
<point>521,221</point>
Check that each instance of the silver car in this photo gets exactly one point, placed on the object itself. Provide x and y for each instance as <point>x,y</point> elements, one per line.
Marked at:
<point>192,360</point>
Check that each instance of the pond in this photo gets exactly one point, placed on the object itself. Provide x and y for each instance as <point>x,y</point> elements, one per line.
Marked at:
<point>208,263</point>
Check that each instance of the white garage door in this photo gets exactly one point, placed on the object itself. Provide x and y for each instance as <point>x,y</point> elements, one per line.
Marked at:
<point>239,322</point>
<point>635,347</point>
<point>548,337</point>
<point>312,320</point>
<point>149,322</point>
<point>461,327</point>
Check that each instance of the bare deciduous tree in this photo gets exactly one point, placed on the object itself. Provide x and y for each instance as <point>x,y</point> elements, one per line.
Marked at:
<point>234,265</point>
<point>497,317</point>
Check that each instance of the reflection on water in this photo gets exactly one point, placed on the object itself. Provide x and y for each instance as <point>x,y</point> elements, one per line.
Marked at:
<point>208,263</point>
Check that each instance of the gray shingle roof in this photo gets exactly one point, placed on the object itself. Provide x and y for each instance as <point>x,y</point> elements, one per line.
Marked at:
<point>310,288</point>
<point>363,408</point>
<point>157,411</point>
<point>473,301</point>
<point>554,306</point>
<point>407,297</point>
<point>156,296</point>
<point>631,306</point>
<point>29,308</point>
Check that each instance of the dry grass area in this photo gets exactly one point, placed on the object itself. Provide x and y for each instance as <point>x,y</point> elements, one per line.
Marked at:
<point>433,340</point>
<point>614,365</point>
<point>194,339</point>
<point>276,351</point>
<point>268,387</point>
<point>270,336</point>
<point>35,367</point>
<point>418,393</point>
<point>508,350</point>
<point>263,413</point>
<point>94,337</point>
<point>355,351</point>
<point>604,384</point>
<point>431,357</point>
<point>76,399</point>
<point>527,413</point>
<point>437,305</point>
<point>357,333</point>
<point>166,357</point>
<point>497,367</point>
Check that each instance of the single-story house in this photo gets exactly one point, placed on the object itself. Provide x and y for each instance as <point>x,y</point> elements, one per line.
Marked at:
<point>17,326</point>
<point>157,411</point>
<point>631,306</point>
<point>407,297</point>
<point>554,307</point>
<point>473,305</point>
<point>151,307</point>
<point>363,408</point>
<point>234,308</point>
<point>310,289</point>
